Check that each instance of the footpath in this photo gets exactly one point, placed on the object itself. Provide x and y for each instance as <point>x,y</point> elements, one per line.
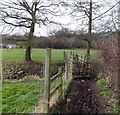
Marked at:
<point>83,97</point>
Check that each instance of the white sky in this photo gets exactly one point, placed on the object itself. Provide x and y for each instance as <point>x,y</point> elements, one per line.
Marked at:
<point>65,19</point>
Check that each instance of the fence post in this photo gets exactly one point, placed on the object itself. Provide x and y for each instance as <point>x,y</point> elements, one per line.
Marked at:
<point>71,56</point>
<point>47,79</point>
<point>88,66</point>
<point>64,55</point>
<point>66,65</point>
<point>84,62</point>
<point>61,82</point>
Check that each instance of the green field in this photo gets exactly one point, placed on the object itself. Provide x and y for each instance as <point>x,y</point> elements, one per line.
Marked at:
<point>17,55</point>
<point>39,53</point>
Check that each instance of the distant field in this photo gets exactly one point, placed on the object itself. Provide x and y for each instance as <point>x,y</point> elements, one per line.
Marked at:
<point>39,54</point>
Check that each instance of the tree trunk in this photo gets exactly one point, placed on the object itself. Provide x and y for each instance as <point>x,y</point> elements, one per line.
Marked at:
<point>89,38</point>
<point>88,48</point>
<point>28,53</point>
<point>89,29</point>
<point>30,38</point>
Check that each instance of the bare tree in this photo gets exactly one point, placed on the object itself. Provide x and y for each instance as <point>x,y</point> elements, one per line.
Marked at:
<point>25,14</point>
<point>88,14</point>
<point>83,11</point>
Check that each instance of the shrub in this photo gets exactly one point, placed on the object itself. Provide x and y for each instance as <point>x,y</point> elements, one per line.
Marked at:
<point>109,48</point>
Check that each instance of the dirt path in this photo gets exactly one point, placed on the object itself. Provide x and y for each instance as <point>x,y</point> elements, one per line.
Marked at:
<point>83,97</point>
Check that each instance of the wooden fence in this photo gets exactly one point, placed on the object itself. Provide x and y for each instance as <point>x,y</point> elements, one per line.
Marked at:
<point>63,75</point>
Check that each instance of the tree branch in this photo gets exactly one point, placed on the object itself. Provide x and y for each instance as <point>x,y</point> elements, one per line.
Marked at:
<point>19,25</point>
<point>106,11</point>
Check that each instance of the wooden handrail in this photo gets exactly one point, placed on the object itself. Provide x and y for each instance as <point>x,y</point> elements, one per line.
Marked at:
<point>53,91</point>
<point>55,77</point>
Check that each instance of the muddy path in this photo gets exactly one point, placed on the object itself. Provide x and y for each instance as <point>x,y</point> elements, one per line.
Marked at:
<point>82,97</point>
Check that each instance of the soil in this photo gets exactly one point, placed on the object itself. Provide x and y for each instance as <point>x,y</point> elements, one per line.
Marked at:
<point>20,70</point>
<point>83,97</point>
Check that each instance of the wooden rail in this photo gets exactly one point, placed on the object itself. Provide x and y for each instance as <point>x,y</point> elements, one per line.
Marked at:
<point>54,77</point>
<point>55,89</point>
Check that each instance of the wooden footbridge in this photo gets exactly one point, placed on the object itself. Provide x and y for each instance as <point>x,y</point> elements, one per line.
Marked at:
<point>75,66</point>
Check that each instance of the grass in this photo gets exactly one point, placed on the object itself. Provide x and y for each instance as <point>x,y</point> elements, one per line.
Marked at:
<point>21,97</point>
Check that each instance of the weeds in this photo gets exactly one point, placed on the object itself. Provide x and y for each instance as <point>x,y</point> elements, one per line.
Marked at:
<point>106,93</point>
<point>101,84</point>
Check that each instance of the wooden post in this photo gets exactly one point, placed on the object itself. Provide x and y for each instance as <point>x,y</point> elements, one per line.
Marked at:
<point>88,66</point>
<point>84,62</point>
<point>71,53</point>
<point>61,82</point>
<point>76,57</point>
<point>43,70</point>
<point>64,55</point>
<point>71,64</point>
<point>81,56</point>
<point>68,102</point>
<point>47,80</point>
<point>66,65</point>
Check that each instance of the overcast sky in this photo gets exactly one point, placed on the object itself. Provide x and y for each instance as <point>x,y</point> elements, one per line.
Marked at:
<point>69,22</point>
